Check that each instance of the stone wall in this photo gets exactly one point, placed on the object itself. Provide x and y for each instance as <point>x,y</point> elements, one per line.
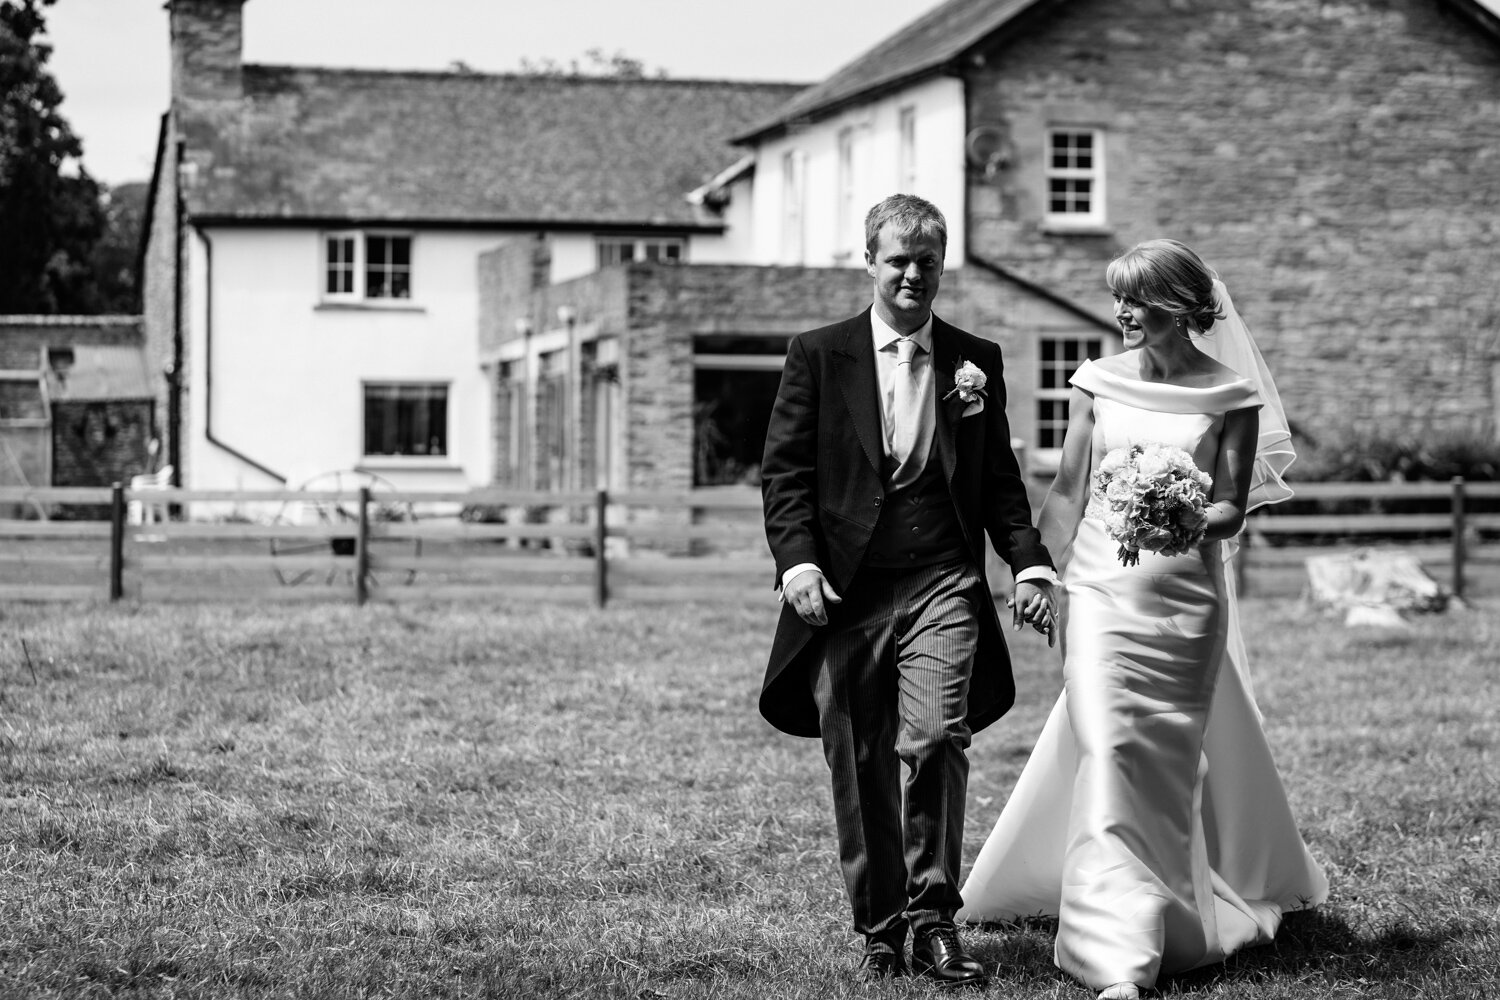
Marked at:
<point>668,306</point>
<point>159,305</point>
<point>654,312</point>
<point>509,277</point>
<point>1337,163</point>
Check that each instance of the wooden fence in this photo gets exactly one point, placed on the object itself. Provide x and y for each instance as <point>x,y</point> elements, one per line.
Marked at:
<point>491,545</point>
<point>1452,528</point>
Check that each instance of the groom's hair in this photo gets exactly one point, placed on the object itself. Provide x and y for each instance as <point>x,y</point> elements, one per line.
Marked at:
<point>910,215</point>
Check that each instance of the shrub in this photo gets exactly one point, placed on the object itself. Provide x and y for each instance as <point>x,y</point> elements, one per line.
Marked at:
<point>1380,454</point>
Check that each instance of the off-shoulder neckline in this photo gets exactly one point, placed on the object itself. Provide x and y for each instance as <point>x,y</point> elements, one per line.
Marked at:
<point>1166,396</point>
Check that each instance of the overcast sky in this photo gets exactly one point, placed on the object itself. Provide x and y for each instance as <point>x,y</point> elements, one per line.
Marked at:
<point>110,56</point>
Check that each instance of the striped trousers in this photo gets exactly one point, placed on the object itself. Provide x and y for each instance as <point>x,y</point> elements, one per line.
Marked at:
<point>892,690</point>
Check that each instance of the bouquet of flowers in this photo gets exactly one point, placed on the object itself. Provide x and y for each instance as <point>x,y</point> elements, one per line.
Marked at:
<point>1153,498</point>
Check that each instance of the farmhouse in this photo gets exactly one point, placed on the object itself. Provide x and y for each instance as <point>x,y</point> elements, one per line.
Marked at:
<point>559,282</point>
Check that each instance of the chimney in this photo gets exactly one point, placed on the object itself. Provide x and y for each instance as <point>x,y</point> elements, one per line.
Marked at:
<point>208,40</point>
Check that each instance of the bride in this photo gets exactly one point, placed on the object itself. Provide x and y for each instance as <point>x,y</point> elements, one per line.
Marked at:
<point>1150,818</point>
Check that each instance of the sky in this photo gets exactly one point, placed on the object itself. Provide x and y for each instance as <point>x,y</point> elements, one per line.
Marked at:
<point>110,57</point>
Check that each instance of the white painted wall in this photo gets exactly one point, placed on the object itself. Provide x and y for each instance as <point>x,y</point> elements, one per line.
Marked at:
<point>736,245</point>
<point>573,256</point>
<point>940,118</point>
<point>288,373</point>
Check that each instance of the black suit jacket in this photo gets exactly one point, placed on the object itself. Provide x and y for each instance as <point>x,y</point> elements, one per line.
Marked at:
<point>822,486</point>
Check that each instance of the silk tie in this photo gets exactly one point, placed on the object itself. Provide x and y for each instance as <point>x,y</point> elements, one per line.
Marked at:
<point>906,406</point>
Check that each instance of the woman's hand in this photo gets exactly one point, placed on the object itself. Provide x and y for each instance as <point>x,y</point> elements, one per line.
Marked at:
<point>1035,602</point>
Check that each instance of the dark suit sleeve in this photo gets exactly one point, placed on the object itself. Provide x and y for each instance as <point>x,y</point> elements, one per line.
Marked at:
<point>1007,510</point>
<point>789,475</point>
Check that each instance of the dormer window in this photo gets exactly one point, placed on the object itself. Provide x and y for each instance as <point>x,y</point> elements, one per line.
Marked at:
<point>359,266</point>
<point>1075,178</point>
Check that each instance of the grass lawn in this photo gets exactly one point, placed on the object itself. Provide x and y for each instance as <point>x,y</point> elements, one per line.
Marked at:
<point>456,802</point>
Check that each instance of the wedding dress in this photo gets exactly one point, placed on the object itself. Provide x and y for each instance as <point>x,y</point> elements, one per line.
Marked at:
<point>1150,818</point>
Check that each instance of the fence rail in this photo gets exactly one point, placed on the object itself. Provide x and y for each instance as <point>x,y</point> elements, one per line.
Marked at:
<point>491,544</point>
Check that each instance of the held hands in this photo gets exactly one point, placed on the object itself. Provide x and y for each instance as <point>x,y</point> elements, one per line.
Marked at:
<point>1035,602</point>
<point>809,595</point>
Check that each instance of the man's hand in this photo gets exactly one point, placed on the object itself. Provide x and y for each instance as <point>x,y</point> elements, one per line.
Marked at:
<point>809,595</point>
<point>1035,602</point>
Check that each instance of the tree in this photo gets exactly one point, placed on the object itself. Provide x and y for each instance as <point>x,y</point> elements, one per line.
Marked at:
<point>112,263</point>
<point>51,214</point>
<point>618,65</point>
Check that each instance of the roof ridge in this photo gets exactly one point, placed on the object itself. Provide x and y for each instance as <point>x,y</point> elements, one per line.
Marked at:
<point>920,48</point>
<point>558,77</point>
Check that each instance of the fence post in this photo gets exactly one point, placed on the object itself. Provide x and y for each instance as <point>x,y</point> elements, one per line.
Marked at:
<point>362,550</point>
<point>117,542</point>
<point>1460,528</point>
<point>601,564</point>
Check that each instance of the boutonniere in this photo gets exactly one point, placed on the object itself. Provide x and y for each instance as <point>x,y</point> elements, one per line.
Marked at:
<point>968,382</point>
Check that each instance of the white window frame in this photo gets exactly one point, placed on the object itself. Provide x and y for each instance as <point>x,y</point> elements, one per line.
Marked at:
<point>640,249</point>
<point>844,223</point>
<point>1055,396</point>
<point>793,207</point>
<point>1071,173</point>
<point>906,155</point>
<point>356,267</point>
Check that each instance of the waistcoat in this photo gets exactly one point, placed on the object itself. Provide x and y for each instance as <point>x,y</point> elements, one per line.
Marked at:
<point>918,525</point>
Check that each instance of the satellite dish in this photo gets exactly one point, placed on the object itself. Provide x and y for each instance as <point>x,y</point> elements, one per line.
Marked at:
<point>989,148</point>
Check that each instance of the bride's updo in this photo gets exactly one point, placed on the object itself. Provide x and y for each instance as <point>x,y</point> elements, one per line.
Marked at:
<point>1168,275</point>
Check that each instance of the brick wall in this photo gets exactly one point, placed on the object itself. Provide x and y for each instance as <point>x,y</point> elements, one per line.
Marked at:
<point>1337,163</point>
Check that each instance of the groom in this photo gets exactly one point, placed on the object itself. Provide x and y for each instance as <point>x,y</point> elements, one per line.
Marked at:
<point>887,461</point>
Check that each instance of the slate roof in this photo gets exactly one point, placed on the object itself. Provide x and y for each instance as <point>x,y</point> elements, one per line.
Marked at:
<point>924,47</point>
<point>359,145</point>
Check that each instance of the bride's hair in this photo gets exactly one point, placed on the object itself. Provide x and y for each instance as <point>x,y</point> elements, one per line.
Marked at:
<point>1168,275</point>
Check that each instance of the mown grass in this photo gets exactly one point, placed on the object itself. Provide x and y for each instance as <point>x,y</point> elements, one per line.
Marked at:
<point>526,802</point>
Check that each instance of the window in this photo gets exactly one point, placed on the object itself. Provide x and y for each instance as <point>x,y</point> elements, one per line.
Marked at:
<point>1057,359</point>
<point>793,203</point>
<point>1075,177</point>
<point>844,224</point>
<point>406,419</point>
<point>735,378</point>
<point>359,266</point>
<point>906,182</point>
<point>654,249</point>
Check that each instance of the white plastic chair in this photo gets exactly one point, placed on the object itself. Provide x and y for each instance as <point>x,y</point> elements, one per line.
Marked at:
<point>148,511</point>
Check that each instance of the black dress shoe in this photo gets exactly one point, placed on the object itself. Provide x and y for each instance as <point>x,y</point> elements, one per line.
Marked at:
<point>938,954</point>
<point>879,963</point>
